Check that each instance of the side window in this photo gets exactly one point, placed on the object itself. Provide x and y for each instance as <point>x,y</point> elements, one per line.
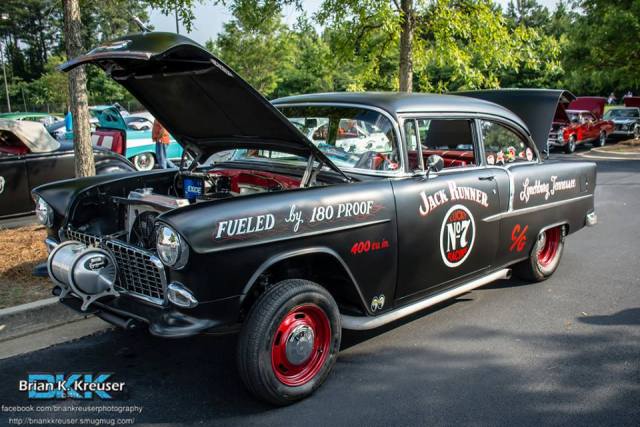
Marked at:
<point>503,146</point>
<point>451,139</point>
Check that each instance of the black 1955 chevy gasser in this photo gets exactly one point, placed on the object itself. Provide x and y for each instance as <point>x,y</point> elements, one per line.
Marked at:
<point>329,211</point>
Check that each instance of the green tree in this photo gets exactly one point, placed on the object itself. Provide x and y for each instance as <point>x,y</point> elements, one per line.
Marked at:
<point>529,13</point>
<point>374,29</point>
<point>51,88</point>
<point>602,51</point>
<point>256,44</point>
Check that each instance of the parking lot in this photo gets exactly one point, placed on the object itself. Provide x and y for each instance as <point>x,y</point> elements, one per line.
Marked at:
<point>564,351</point>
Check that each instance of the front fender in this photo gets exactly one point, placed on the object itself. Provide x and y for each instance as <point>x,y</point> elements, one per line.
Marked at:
<point>60,194</point>
<point>299,254</point>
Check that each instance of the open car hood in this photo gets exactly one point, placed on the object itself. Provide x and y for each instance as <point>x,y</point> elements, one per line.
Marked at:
<point>536,107</point>
<point>204,104</point>
<point>594,104</point>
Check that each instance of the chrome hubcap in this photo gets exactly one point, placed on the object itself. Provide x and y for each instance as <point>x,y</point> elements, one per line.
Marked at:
<point>143,161</point>
<point>300,344</point>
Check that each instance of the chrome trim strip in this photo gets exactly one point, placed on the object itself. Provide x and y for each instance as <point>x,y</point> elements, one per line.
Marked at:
<point>362,323</point>
<point>522,211</point>
<point>296,236</point>
<point>512,188</point>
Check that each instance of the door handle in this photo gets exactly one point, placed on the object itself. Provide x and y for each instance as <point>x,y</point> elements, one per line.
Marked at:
<point>486,178</point>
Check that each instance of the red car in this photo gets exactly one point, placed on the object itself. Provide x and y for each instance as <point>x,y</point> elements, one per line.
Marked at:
<point>580,122</point>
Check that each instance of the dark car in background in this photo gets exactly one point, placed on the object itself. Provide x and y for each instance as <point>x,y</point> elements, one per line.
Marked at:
<point>30,156</point>
<point>626,121</point>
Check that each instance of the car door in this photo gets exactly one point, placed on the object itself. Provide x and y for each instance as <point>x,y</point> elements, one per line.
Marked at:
<point>14,186</point>
<point>593,128</point>
<point>442,234</point>
<point>48,167</point>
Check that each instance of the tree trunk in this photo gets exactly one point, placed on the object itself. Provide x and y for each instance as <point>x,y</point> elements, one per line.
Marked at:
<point>406,46</point>
<point>85,165</point>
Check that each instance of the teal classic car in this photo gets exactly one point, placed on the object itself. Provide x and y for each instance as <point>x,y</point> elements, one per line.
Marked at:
<point>111,132</point>
<point>44,118</point>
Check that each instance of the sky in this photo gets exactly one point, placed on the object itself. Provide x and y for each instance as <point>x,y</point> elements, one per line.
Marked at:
<point>211,18</point>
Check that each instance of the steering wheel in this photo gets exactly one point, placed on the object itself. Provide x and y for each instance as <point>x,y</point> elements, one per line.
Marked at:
<point>374,161</point>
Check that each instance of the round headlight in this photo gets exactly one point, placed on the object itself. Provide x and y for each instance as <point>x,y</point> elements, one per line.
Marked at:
<point>44,212</point>
<point>172,250</point>
<point>561,134</point>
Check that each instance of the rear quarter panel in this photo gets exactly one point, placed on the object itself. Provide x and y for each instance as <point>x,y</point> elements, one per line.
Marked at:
<point>548,194</point>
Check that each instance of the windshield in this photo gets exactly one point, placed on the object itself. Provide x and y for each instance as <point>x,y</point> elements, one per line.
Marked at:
<point>579,117</point>
<point>622,113</point>
<point>350,137</point>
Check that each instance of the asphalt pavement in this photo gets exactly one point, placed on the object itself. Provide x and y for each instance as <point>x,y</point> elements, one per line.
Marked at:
<point>563,352</point>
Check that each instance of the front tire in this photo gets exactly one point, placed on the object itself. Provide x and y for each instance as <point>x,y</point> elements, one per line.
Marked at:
<point>289,342</point>
<point>570,146</point>
<point>544,258</point>
<point>636,132</point>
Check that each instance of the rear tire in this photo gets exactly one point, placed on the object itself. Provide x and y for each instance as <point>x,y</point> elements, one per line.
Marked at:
<point>289,342</point>
<point>570,146</point>
<point>544,258</point>
<point>636,132</point>
<point>601,141</point>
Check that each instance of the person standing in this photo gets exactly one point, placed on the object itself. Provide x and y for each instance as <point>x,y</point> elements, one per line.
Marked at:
<point>160,136</point>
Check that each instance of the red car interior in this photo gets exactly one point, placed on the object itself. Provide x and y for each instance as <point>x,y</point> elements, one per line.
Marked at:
<point>265,180</point>
<point>9,144</point>
<point>111,139</point>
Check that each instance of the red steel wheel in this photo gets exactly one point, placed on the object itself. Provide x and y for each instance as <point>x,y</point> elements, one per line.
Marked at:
<point>300,345</point>
<point>289,341</point>
<point>548,244</point>
<point>544,257</point>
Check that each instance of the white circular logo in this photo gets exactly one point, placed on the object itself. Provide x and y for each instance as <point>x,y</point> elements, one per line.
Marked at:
<point>457,235</point>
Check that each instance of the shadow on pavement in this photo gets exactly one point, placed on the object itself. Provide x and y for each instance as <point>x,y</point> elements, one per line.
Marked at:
<point>630,316</point>
<point>195,380</point>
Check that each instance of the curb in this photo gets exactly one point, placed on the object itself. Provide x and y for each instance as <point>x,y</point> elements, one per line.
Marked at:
<point>33,317</point>
<point>608,156</point>
<point>602,150</point>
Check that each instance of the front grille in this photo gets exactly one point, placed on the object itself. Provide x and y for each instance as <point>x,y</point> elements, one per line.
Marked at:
<point>140,272</point>
<point>87,239</point>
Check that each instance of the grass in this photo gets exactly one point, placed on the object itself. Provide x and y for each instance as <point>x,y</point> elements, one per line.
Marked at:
<point>25,249</point>
<point>628,146</point>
